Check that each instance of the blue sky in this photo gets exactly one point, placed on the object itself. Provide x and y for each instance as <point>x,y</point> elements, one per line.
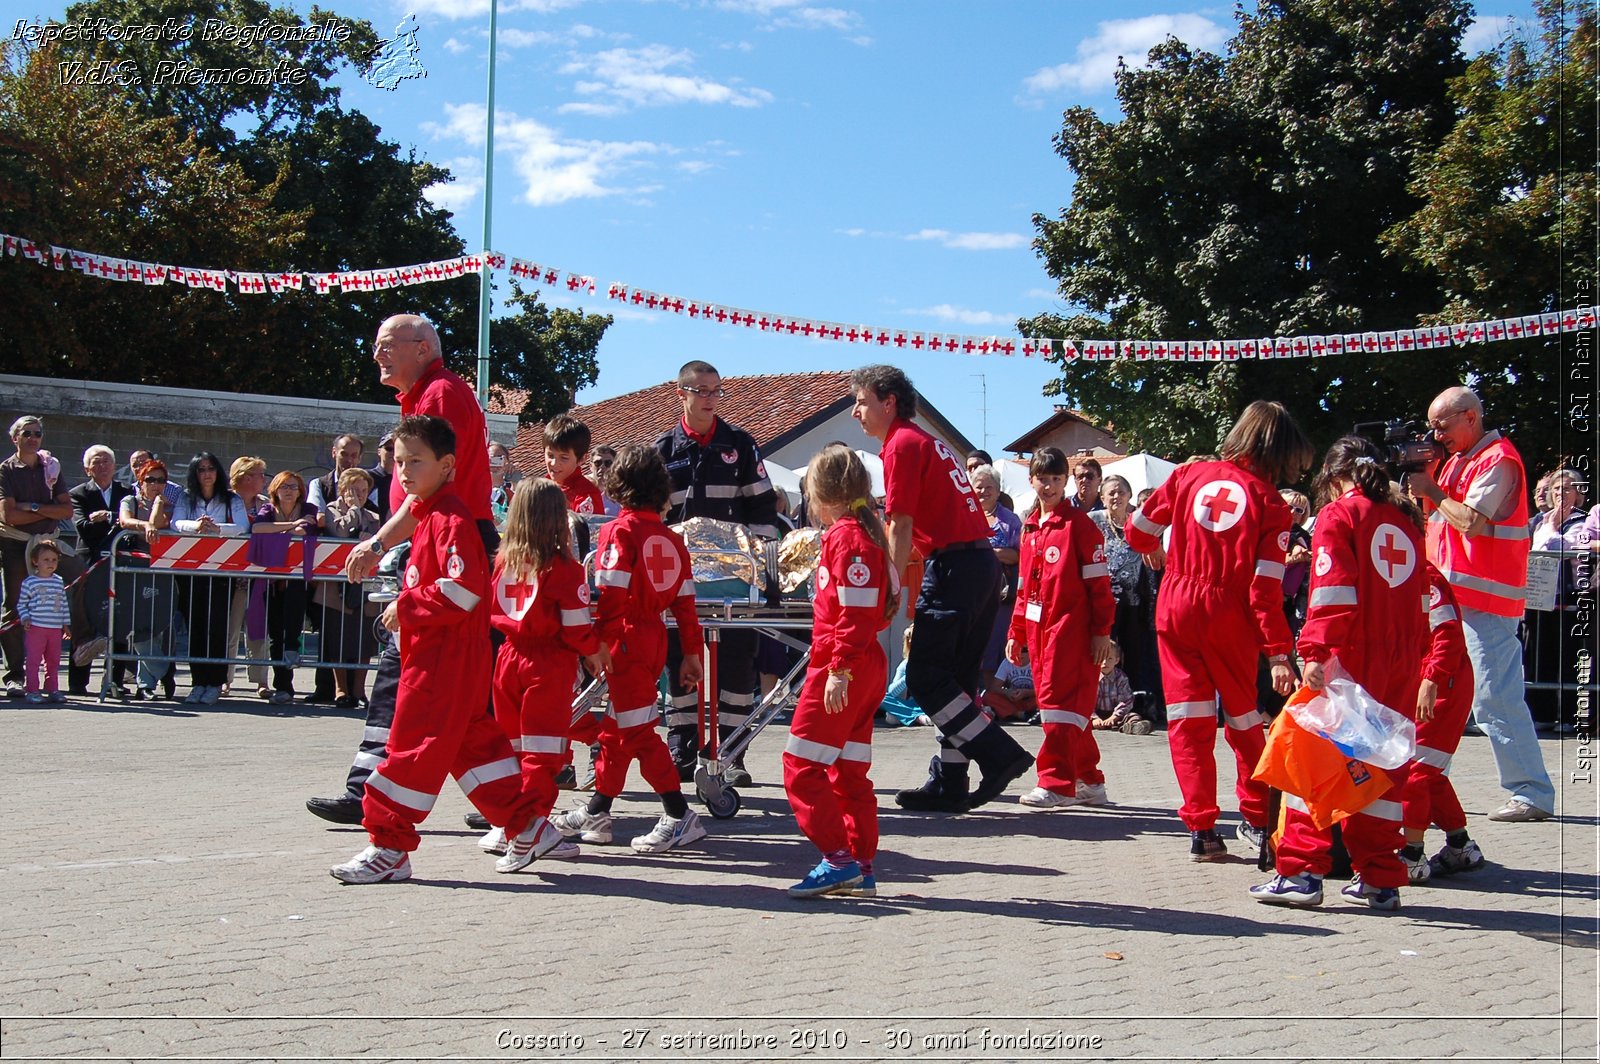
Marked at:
<point>873,163</point>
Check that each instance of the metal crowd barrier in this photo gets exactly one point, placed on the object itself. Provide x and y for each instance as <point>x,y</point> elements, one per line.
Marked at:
<point>158,591</point>
<point>1559,637</point>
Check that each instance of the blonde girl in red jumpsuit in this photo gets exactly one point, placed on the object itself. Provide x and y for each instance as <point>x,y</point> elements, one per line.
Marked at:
<point>830,739</point>
<point>1063,617</point>
<point>1368,610</point>
<point>541,604</point>
<point>641,568</point>
<point>1220,606</point>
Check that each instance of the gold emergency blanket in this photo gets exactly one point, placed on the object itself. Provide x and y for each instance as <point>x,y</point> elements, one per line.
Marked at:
<point>798,556</point>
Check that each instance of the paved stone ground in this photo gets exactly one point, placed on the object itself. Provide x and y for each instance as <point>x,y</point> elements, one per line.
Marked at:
<point>166,896</point>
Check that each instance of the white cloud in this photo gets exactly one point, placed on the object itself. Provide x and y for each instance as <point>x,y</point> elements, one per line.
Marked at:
<point>553,169</point>
<point>1485,33</point>
<point>455,47</point>
<point>467,186</point>
<point>695,166</point>
<point>478,8</point>
<point>963,315</point>
<point>972,241</point>
<point>515,38</point>
<point>652,76</point>
<point>796,14</point>
<point>1131,39</point>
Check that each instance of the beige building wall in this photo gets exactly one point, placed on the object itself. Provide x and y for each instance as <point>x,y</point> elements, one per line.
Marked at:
<point>287,432</point>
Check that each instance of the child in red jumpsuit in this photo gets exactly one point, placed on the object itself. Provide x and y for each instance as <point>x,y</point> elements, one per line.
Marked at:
<point>641,569</point>
<point>442,621</point>
<point>541,603</point>
<point>830,739</point>
<point>1063,617</point>
<point>1368,610</point>
<point>1221,605</point>
<point>1444,702</point>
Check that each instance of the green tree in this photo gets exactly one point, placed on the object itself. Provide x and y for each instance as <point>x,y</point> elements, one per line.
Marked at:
<point>1247,195</point>
<point>1507,222</point>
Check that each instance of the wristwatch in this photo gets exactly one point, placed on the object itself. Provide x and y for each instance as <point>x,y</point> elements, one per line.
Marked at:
<point>33,506</point>
<point>375,545</point>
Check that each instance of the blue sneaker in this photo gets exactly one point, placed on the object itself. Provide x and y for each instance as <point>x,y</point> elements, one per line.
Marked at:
<point>867,888</point>
<point>1303,890</point>
<point>1386,898</point>
<point>827,879</point>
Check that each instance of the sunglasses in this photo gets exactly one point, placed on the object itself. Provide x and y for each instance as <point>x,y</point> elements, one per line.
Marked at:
<point>155,480</point>
<point>37,434</point>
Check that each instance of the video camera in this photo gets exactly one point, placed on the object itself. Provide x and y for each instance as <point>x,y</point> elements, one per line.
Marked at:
<point>1406,446</point>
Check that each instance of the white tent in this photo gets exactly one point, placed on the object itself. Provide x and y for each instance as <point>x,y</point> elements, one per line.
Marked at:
<point>874,466</point>
<point>1014,482</point>
<point>785,480</point>
<point>1140,471</point>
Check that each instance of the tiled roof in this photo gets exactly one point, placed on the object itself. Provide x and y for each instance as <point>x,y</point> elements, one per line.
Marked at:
<point>768,406</point>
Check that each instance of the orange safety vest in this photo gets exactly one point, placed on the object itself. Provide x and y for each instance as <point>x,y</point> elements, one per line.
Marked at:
<point>1488,571</point>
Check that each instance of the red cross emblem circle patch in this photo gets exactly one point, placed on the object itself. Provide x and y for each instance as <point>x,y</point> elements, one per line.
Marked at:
<point>1392,554</point>
<point>608,560</point>
<point>516,596</point>
<point>411,576</point>
<point>662,566</point>
<point>1218,505</point>
<point>730,457</point>
<point>858,574</point>
<point>1434,598</point>
<point>1052,554</point>
<point>454,566</point>
<point>1324,561</point>
<point>822,578</point>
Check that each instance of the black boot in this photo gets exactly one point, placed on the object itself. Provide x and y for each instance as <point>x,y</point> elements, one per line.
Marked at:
<point>1001,760</point>
<point>944,792</point>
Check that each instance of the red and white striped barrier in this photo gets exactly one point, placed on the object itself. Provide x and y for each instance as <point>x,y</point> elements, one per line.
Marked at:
<point>218,554</point>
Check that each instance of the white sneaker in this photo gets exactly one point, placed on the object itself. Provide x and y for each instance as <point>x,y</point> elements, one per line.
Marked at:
<point>494,842</point>
<point>210,695</point>
<point>374,864</point>
<point>565,850</point>
<point>594,828</point>
<point>1092,794</point>
<point>1044,798</point>
<point>670,832</point>
<point>536,840</point>
<point>1417,871</point>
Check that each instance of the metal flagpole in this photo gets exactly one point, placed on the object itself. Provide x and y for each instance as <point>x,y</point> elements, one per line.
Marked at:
<point>488,209</point>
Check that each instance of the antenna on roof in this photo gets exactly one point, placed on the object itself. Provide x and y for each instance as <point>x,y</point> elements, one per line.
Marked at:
<point>983,383</point>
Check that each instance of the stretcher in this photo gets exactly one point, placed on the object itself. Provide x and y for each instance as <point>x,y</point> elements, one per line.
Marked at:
<point>734,594</point>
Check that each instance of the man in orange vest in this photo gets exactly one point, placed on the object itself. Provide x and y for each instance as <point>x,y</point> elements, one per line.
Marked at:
<point>1478,538</point>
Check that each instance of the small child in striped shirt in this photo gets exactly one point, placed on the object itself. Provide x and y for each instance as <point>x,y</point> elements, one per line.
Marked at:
<point>42,605</point>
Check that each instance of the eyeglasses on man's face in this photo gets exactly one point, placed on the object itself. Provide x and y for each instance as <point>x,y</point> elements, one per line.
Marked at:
<point>387,346</point>
<point>704,393</point>
<point>1441,424</point>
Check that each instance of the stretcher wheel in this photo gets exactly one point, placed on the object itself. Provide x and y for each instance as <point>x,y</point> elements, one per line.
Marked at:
<point>724,806</point>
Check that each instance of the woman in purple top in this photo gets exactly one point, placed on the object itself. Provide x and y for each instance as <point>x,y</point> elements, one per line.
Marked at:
<point>1005,536</point>
<point>288,516</point>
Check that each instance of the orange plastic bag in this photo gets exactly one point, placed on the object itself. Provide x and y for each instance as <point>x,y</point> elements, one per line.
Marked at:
<point>1304,764</point>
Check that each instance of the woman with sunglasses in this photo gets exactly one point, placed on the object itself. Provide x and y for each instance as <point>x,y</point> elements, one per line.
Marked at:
<point>207,507</point>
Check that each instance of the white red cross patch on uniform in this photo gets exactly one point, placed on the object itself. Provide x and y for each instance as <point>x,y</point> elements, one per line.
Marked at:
<point>730,456</point>
<point>455,565</point>
<point>858,574</point>
<point>822,578</point>
<point>1324,561</point>
<point>1218,505</point>
<point>411,576</point>
<point>516,596</point>
<point>1283,541</point>
<point>586,505</point>
<point>1392,554</point>
<point>609,559</point>
<point>662,566</point>
<point>1052,554</point>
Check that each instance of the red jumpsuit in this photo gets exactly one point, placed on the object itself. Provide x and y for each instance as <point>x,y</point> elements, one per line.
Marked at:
<point>1221,605</point>
<point>825,763</point>
<point>1368,609</point>
<point>440,727</point>
<point>582,496</point>
<point>641,569</point>
<point>546,623</point>
<point>1429,797</point>
<point>1063,601</point>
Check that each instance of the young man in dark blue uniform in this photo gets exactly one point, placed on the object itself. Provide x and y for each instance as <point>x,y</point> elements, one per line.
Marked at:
<point>717,473</point>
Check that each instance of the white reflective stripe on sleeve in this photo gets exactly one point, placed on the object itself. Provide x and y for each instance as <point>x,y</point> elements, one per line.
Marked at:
<point>407,797</point>
<point>1245,721</point>
<point>719,491</point>
<point>953,707</point>
<point>1180,710</point>
<point>572,618</point>
<point>458,595</point>
<point>539,744</point>
<point>758,487</point>
<point>634,718</point>
<point>684,701</point>
<point>1333,595</point>
<point>612,578</point>
<point>1384,809</point>
<point>806,750</point>
<point>1270,570</point>
<point>1147,526</point>
<point>1094,569</point>
<point>861,753</point>
<point>1296,803</point>
<point>1441,615</point>
<point>1506,531</point>
<point>1063,716</point>
<point>367,759</point>
<point>858,596</point>
<point>474,778</point>
<point>375,735</point>
<point>687,588</point>
<point>1427,755</point>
